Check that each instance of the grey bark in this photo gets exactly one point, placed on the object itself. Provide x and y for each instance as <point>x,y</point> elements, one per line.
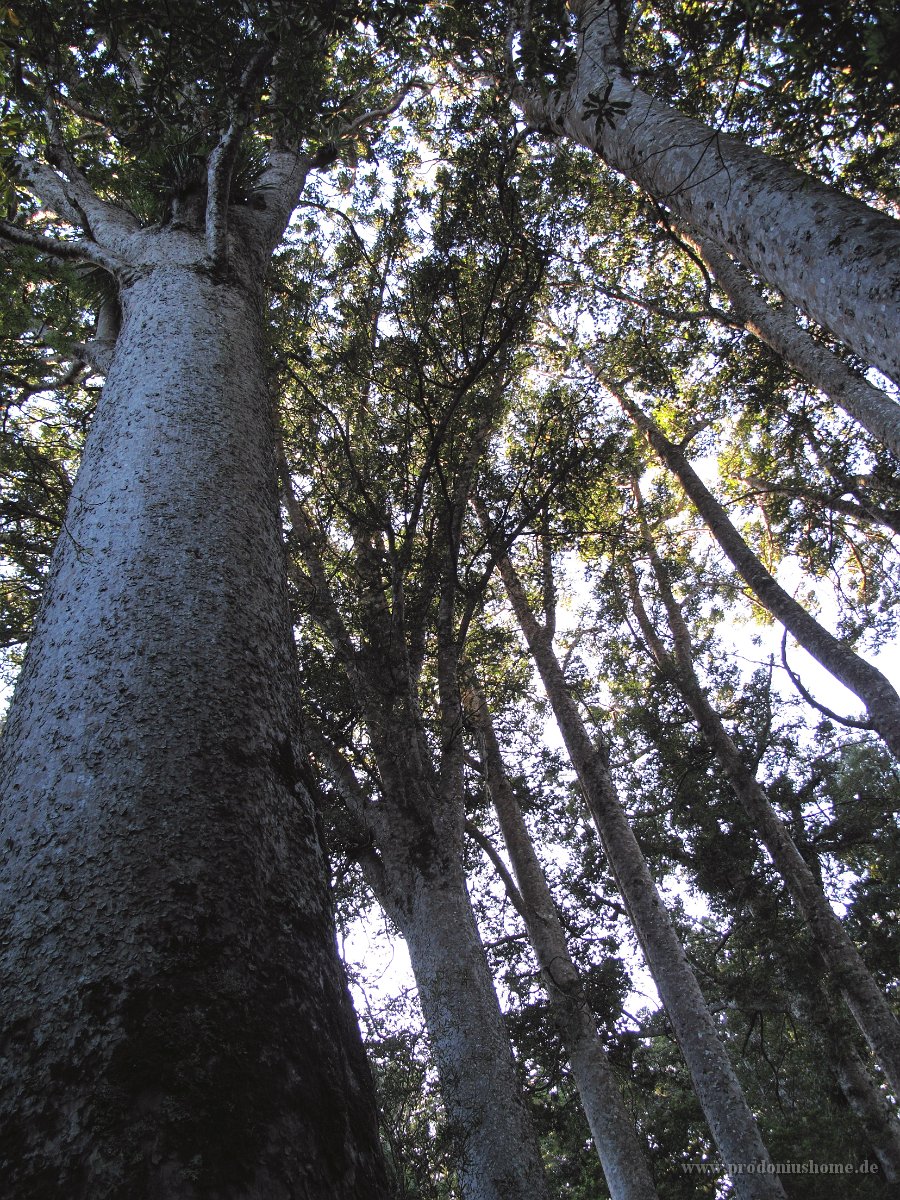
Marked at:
<point>410,848</point>
<point>818,1012</point>
<point>612,1128</point>
<point>865,681</point>
<point>175,1018</point>
<point>421,884</point>
<point>411,855</point>
<point>495,1147</point>
<point>861,400</point>
<point>410,840</point>
<point>731,1122</point>
<point>830,255</point>
<point>862,994</point>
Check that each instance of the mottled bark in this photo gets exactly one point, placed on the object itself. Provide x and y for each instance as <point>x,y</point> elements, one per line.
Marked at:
<point>623,1158</point>
<point>419,879</point>
<point>410,848</point>
<point>410,841</point>
<point>815,363</point>
<point>830,255</point>
<point>817,1010</point>
<point>425,894</point>
<point>731,1122</point>
<point>175,1019</point>
<point>860,677</point>
<point>864,997</point>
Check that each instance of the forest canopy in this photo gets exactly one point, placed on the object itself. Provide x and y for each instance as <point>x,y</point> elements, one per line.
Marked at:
<point>449,463</point>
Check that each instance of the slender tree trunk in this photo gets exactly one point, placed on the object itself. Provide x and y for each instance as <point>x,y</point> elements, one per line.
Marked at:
<point>816,1009</point>
<point>865,681</point>
<point>732,1123</point>
<point>410,840</point>
<point>176,1023</point>
<point>864,997</point>
<point>868,405</point>
<point>612,1128</point>
<point>411,844</point>
<point>495,1145</point>
<point>828,254</point>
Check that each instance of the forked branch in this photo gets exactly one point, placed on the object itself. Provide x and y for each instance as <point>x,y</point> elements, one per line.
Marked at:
<point>220,167</point>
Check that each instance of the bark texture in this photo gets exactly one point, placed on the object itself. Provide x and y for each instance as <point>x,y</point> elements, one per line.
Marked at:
<point>176,1023</point>
<point>868,683</point>
<point>621,1155</point>
<point>411,852</point>
<point>731,1122</point>
<point>862,994</point>
<point>410,840</point>
<point>830,255</point>
<point>495,1147</point>
<point>818,1010</point>
<point>868,405</point>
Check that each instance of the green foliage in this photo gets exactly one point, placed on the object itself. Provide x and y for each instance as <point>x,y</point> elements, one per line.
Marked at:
<point>803,77</point>
<point>46,400</point>
<point>418,1145</point>
<point>11,127</point>
<point>439,315</point>
<point>140,98</point>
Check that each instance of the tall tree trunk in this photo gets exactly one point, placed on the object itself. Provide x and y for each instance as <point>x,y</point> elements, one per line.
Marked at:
<point>410,850</point>
<point>818,1011</point>
<point>861,400</point>
<point>828,254</point>
<point>176,1022</point>
<point>495,1146</point>
<point>611,1126</point>
<point>732,1123</point>
<point>865,681</point>
<point>864,997</point>
<point>410,840</point>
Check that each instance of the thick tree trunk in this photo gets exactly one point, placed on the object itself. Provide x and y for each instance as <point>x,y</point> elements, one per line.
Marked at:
<point>731,1122</point>
<point>611,1126</point>
<point>495,1146</point>
<point>828,254</point>
<point>176,1024</point>
<point>865,681</point>
<point>868,405</point>
<point>864,997</point>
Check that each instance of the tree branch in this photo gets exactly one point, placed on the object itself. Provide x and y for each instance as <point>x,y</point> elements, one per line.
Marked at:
<point>98,352</point>
<point>822,368</point>
<point>49,187</point>
<point>855,673</point>
<point>850,722</point>
<point>278,191</point>
<point>101,219</point>
<point>80,250</point>
<point>386,110</point>
<point>220,167</point>
<point>654,642</point>
<point>281,185</point>
<point>359,810</point>
<point>485,843</point>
